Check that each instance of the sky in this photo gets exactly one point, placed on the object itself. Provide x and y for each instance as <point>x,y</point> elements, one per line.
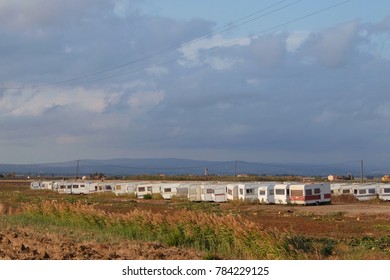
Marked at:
<point>263,81</point>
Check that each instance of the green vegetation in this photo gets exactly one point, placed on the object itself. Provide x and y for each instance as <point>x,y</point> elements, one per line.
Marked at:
<point>218,236</point>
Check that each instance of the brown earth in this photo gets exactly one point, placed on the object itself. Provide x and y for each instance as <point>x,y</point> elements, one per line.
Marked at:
<point>345,217</point>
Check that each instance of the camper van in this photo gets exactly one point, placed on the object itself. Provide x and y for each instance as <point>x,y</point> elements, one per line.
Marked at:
<point>282,193</point>
<point>266,194</point>
<point>310,193</point>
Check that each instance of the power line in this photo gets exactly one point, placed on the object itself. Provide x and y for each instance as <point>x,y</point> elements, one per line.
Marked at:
<point>225,44</point>
<point>177,46</point>
<point>235,24</point>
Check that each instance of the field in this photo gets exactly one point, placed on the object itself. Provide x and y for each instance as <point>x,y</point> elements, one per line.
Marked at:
<point>46,225</point>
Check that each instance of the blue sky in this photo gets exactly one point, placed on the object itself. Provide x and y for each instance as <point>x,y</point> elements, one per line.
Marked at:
<point>98,79</point>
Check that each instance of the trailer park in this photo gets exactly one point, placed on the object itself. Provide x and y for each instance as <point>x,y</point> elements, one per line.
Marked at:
<point>196,219</point>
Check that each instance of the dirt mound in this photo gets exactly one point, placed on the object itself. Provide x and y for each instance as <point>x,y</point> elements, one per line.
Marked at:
<point>25,244</point>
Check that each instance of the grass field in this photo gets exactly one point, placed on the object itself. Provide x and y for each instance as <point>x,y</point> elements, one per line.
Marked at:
<point>104,226</point>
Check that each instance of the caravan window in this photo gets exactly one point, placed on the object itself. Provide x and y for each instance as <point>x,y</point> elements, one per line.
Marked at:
<point>241,192</point>
<point>210,191</point>
<point>279,191</point>
<point>167,190</point>
<point>308,192</point>
<point>262,192</point>
<point>141,189</point>
<point>296,192</point>
<point>75,186</point>
<point>150,189</point>
<point>364,191</point>
<point>82,186</point>
<point>317,191</point>
<point>372,191</point>
<point>271,192</point>
<point>386,190</point>
<point>346,191</point>
<point>249,191</point>
<point>230,192</point>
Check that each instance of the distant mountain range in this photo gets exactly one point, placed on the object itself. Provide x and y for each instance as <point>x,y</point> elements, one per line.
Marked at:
<point>175,166</point>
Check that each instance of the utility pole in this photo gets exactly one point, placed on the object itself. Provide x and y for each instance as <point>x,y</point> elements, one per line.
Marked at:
<point>361,171</point>
<point>77,169</point>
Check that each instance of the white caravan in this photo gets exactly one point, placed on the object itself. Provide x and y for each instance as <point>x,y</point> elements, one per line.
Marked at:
<point>248,191</point>
<point>207,191</point>
<point>232,191</point>
<point>365,191</point>
<point>266,194</point>
<point>80,188</point>
<point>340,189</point>
<point>219,193</point>
<point>65,187</point>
<point>121,188</point>
<point>194,192</point>
<point>47,185</point>
<point>35,185</point>
<point>282,193</point>
<point>105,187</point>
<point>146,188</point>
<point>310,193</point>
<point>384,192</point>
<point>170,190</point>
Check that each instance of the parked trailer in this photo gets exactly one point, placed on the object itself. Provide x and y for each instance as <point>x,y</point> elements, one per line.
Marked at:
<point>232,191</point>
<point>219,193</point>
<point>194,192</point>
<point>143,189</point>
<point>282,193</point>
<point>266,194</point>
<point>384,192</point>
<point>207,191</point>
<point>35,185</point>
<point>171,190</point>
<point>340,189</point>
<point>80,188</point>
<point>105,187</point>
<point>248,191</point>
<point>213,192</point>
<point>365,191</point>
<point>310,193</point>
<point>122,188</point>
<point>65,187</point>
<point>47,185</point>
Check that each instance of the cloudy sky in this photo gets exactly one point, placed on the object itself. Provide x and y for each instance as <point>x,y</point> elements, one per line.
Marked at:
<point>273,81</point>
